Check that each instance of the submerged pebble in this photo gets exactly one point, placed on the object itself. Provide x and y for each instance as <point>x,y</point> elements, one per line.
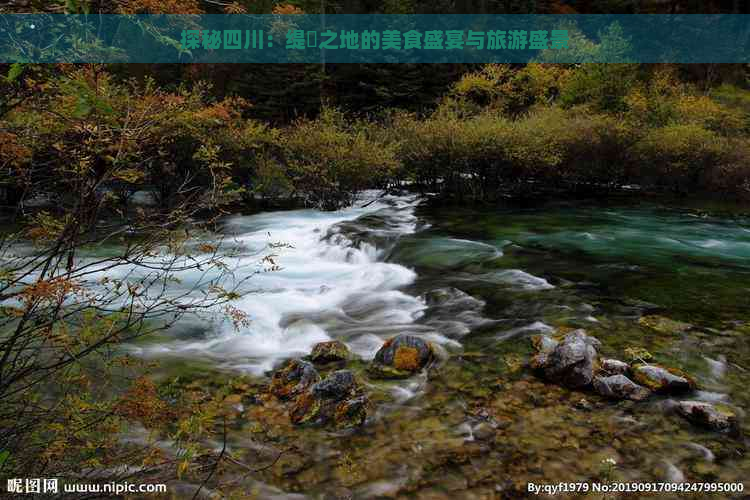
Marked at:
<point>705,453</point>
<point>672,474</point>
<point>484,431</point>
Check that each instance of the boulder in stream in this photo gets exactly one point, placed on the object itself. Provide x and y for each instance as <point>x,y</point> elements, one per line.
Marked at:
<point>401,357</point>
<point>614,367</point>
<point>664,380</point>
<point>714,417</point>
<point>293,378</point>
<point>328,352</point>
<point>620,387</point>
<point>572,362</point>
<point>336,386</point>
<point>334,400</point>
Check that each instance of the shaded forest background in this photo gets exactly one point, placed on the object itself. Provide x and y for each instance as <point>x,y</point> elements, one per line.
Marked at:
<point>281,94</point>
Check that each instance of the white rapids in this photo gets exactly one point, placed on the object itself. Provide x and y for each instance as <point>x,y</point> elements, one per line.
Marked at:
<point>328,286</point>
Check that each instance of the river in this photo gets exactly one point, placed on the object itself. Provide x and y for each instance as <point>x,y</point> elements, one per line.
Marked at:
<point>477,283</point>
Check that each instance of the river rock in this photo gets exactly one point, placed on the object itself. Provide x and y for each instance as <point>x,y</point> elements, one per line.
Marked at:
<point>328,352</point>
<point>620,387</point>
<point>663,380</point>
<point>294,378</point>
<point>614,367</point>
<point>306,408</point>
<point>334,400</point>
<point>351,412</point>
<point>572,362</point>
<point>401,357</point>
<point>336,386</point>
<point>715,417</point>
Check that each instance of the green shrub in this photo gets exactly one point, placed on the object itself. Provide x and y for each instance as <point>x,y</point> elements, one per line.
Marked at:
<point>576,146</point>
<point>604,86</point>
<point>706,112</point>
<point>679,156</point>
<point>732,175</point>
<point>329,161</point>
<point>478,155</point>
<point>499,87</point>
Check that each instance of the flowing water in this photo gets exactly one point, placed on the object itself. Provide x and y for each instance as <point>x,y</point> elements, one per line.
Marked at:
<point>478,283</point>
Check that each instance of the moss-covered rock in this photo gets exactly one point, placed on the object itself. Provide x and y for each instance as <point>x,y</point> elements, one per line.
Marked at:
<point>329,352</point>
<point>335,400</point>
<point>293,378</point>
<point>614,367</point>
<point>663,380</point>
<point>401,357</point>
<point>351,412</point>
<point>620,387</point>
<point>306,408</point>
<point>714,417</point>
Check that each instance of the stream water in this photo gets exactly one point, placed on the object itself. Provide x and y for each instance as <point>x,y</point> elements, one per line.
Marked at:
<point>478,283</point>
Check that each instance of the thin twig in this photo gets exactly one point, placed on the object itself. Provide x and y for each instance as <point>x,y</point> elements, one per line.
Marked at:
<point>218,461</point>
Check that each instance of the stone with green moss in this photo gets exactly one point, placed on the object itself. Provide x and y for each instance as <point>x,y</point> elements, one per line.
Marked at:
<point>713,416</point>
<point>620,387</point>
<point>351,412</point>
<point>293,378</point>
<point>335,400</point>
<point>329,352</point>
<point>306,408</point>
<point>663,380</point>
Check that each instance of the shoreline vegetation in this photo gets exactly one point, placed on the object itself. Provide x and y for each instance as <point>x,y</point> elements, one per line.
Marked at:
<point>499,130</point>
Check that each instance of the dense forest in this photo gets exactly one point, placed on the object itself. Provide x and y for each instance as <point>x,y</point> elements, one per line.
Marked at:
<point>284,137</point>
<point>123,161</point>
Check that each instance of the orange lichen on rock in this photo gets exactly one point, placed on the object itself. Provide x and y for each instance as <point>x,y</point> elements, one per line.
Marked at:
<point>406,358</point>
<point>306,408</point>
